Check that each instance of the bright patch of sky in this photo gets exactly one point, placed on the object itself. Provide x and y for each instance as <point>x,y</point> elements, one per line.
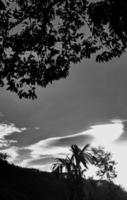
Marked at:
<point>105,134</point>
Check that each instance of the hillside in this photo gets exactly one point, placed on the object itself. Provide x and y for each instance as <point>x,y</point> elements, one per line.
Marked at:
<point>18,183</point>
<point>28,184</point>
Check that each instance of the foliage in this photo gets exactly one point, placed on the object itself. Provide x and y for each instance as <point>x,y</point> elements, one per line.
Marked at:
<point>22,183</point>
<point>63,166</point>
<point>73,167</point>
<point>80,158</point>
<point>108,24</point>
<point>3,156</point>
<point>98,190</point>
<point>25,183</point>
<point>106,165</point>
<point>76,164</point>
<point>40,39</point>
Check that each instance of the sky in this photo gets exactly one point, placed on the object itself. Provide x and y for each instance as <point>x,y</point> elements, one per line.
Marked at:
<point>90,106</point>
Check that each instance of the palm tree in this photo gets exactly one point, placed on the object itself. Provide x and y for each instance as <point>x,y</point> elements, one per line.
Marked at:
<point>80,158</point>
<point>62,167</point>
<point>71,168</point>
<point>73,165</point>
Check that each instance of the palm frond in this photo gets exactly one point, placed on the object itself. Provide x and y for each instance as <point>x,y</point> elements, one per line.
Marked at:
<point>85,147</point>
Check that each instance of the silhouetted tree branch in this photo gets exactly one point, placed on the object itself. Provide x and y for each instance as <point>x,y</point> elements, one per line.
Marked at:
<point>39,40</point>
<point>105,164</point>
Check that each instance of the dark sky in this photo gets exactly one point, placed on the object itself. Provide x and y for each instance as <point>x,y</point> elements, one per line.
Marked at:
<point>93,93</point>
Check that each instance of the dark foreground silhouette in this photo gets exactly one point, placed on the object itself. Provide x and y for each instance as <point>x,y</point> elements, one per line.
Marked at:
<point>41,40</point>
<point>18,183</point>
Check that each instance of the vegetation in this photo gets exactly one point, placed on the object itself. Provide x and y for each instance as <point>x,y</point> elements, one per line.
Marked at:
<point>30,184</point>
<point>18,183</point>
<point>39,40</point>
<point>106,165</point>
<point>73,167</point>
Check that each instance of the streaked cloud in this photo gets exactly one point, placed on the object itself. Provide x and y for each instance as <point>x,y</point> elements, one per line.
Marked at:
<point>43,160</point>
<point>43,152</point>
<point>79,139</point>
<point>58,146</point>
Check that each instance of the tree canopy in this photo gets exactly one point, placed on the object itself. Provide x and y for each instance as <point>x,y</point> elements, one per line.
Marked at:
<point>104,162</point>
<point>39,40</point>
<point>74,166</point>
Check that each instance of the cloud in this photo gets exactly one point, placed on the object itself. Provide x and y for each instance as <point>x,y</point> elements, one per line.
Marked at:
<point>58,145</point>
<point>44,151</point>
<point>123,137</point>
<point>106,134</point>
<point>8,129</point>
<point>44,160</point>
<point>79,139</point>
<point>12,153</point>
<point>42,154</point>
